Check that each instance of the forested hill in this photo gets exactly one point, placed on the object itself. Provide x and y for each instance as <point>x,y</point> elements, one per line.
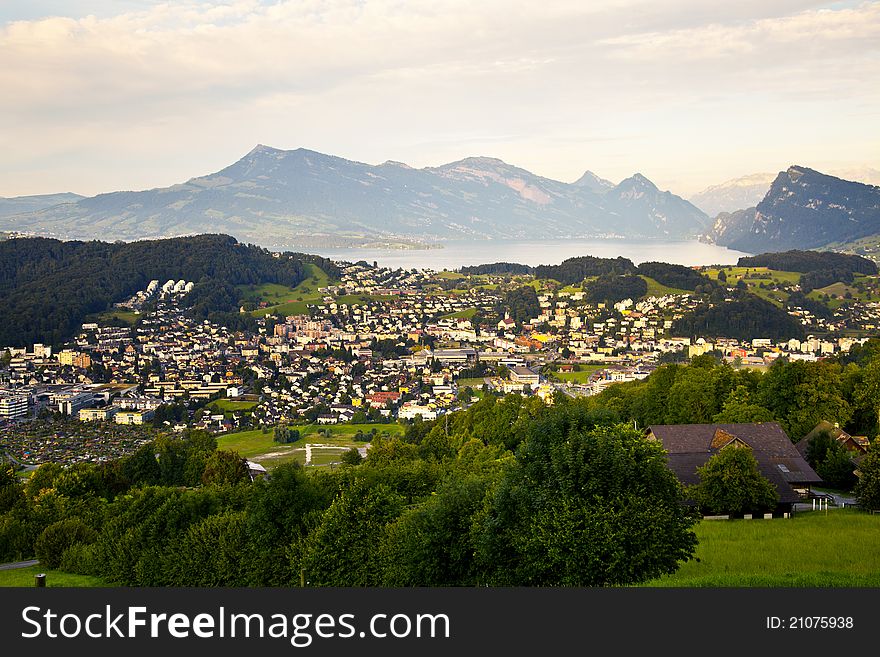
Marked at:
<point>810,261</point>
<point>569,272</point>
<point>745,316</point>
<point>573,271</point>
<point>819,268</point>
<point>48,287</point>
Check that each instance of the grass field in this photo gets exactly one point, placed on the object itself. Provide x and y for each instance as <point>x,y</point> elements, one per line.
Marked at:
<point>228,405</point>
<point>259,446</point>
<point>461,314</point>
<point>768,277</point>
<point>120,314</point>
<point>838,291</point>
<point>286,300</point>
<point>813,549</point>
<point>471,383</point>
<point>578,377</point>
<point>656,289</point>
<point>54,578</point>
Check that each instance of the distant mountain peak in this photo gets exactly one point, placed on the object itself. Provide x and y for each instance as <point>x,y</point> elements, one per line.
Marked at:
<point>734,194</point>
<point>395,163</point>
<point>638,180</point>
<point>263,149</point>
<point>478,162</point>
<point>591,181</point>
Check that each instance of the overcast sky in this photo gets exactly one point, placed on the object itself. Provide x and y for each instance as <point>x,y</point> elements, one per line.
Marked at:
<point>102,95</point>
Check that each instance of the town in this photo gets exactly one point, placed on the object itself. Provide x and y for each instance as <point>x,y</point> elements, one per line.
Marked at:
<point>376,346</point>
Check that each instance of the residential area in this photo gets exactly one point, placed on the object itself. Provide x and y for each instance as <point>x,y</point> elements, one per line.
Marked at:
<point>376,346</point>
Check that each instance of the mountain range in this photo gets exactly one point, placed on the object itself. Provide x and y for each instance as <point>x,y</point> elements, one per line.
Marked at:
<point>302,198</point>
<point>802,209</point>
<point>748,191</point>
<point>24,204</point>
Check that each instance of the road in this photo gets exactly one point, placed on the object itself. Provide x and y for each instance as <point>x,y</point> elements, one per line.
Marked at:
<point>18,564</point>
<point>26,466</point>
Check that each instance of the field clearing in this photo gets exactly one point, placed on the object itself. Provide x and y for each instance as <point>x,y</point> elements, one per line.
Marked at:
<point>256,445</point>
<point>228,405</point>
<point>578,377</point>
<point>838,291</point>
<point>461,314</point>
<point>339,431</point>
<point>118,314</point>
<point>769,277</point>
<point>24,577</point>
<point>286,300</point>
<point>248,443</point>
<point>471,383</point>
<point>813,549</point>
<point>736,273</point>
<point>656,289</point>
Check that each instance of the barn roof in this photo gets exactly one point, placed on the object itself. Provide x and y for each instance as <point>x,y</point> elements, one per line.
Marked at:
<point>689,446</point>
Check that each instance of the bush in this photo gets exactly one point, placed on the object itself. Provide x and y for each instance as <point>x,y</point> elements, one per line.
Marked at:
<point>80,559</point>
<point>868,489</point>
<point>58,537</point>
<point>730,482</point>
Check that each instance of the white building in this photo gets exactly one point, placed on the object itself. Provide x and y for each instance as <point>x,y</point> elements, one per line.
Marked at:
<point>12,406</point>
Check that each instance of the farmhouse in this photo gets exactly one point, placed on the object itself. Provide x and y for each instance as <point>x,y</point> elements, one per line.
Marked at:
<point>689,446</point>
<point>856,444</point>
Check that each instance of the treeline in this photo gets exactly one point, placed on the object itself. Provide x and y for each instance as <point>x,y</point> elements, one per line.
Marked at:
<point>570,272</point>
<point>611,288</point>
<point>810,261</point>
<point>817,279</point>
<point>48,286</point>
<point>497,268</point>
<point>744,316</point>
<point>574,270</point>
<point>797,394</point>
<point>677,276</point>
<point>508,493</point>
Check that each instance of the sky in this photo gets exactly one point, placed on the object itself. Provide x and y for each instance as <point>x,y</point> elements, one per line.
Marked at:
<point>106,95</point>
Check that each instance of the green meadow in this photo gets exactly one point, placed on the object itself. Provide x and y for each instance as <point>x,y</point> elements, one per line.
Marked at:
<point>837,548</point>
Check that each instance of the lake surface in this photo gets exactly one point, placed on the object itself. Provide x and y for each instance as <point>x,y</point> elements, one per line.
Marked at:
<point>456,254</point>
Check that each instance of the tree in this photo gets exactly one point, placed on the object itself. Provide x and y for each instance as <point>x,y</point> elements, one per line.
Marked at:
<point>284,434</point>
<point>867,490</point>
<point>739,408</point>
<point>10,490</point>
<point>430,545</point>
<point>43,478</point>
<point>584,504</point>
<point>225,467</point>
<point>691,398</point>
<point>342,550</point>
<point>352,456</point>
<point>209,553</point>
<point>58,537</point>
<point>801,394</point>
<point>836,468</point>
<point>731,483</point>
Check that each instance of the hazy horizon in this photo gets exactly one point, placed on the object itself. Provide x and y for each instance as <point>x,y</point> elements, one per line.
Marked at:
<point>139,94</point>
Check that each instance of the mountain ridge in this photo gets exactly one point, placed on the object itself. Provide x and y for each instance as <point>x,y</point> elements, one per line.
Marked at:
<point>803,209</point>
<point>305,198</point>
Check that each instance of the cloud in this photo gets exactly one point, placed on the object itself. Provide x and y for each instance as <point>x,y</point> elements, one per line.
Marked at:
<point>382,79</point>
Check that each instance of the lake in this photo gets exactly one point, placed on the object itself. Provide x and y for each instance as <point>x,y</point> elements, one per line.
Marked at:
<point>456,254</point>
